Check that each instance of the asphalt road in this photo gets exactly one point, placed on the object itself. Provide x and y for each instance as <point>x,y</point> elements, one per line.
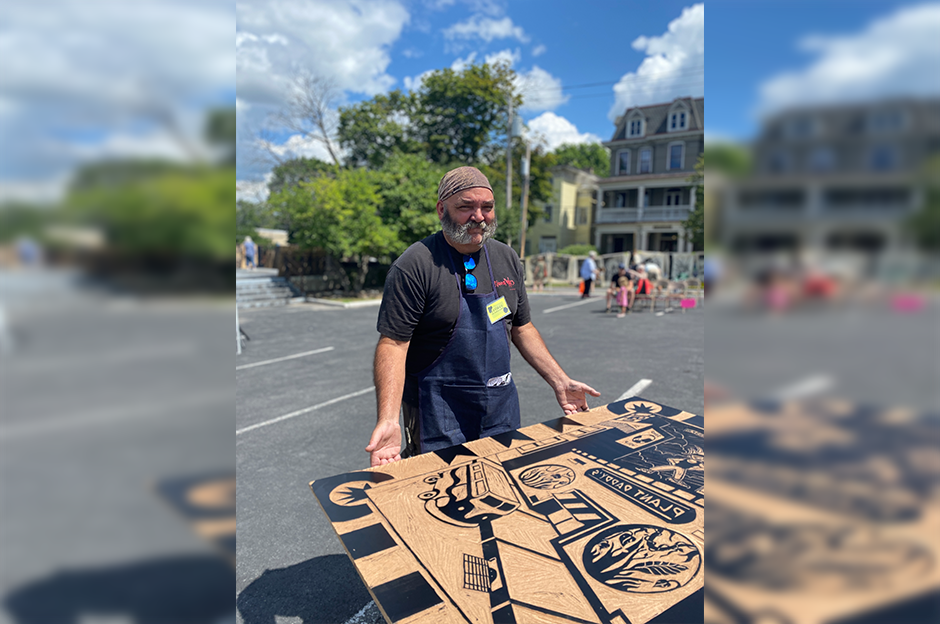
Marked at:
<point>103,399</point>
<point>290,565</point>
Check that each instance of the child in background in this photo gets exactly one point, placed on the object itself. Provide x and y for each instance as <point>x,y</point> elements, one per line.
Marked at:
<point>623,293</point>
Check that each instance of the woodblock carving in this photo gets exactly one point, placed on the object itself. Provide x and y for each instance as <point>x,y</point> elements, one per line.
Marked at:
<point>596,517</point>
<point>823,512</point>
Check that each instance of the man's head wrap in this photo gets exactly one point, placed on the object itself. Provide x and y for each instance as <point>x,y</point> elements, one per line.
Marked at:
<point>461,179</point>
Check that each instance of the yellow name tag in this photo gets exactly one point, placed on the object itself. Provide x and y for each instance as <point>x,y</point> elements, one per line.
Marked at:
<point>497,310</point>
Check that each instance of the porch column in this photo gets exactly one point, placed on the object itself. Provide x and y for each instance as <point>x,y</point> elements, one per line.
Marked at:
<point>640,193</point>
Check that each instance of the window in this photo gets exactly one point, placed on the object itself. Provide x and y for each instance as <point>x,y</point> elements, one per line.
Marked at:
<point>778,162</point>
<point>884,121</point>
<point>623,162</point>
<point>646,160</point>
<point>620,200</point>
<point>635,127</point>
<point>582,216</point>
<point>547,244</point>
<point>676,153</point>
<point>677,121</point>
<point>883,158</point>
<point>822,159</point>
<point>548,213</point>
<point>673,197</point>
<point>801,128</point>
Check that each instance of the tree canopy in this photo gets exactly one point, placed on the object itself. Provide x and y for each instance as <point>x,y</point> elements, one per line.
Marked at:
<point>592,157</point>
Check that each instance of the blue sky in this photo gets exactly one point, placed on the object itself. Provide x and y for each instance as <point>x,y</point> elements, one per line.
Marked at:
<point>82,85</point>
<point>751,45</point>
<point>372,46</point>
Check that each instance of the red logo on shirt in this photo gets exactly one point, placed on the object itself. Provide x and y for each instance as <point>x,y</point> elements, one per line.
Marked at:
<point>506,282</point>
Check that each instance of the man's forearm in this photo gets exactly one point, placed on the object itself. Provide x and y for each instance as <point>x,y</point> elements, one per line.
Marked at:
<point>389,375</point>
<point>533,349</point>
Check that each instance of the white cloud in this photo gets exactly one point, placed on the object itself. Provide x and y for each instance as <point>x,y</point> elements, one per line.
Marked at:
<point>674,65</point>
<point>462,63</point>
<point>487,29</point>
<point>346,42</point>
<point>894,55</point>
<point>539,50</point>
<point>509,57</point>
<point>541,90</point>
<point>550,130</point>
<point>413,84</point>
<point>298,146</point>
<point>253,191</point>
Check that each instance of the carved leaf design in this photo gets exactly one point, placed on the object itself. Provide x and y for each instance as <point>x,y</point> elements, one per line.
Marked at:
<point>658,568</point>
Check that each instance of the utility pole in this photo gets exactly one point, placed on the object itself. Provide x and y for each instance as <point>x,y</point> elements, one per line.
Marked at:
<point>509,159</point>
<point>525,200</point>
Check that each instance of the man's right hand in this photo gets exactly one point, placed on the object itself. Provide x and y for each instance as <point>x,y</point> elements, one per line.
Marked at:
<point>385,443</point>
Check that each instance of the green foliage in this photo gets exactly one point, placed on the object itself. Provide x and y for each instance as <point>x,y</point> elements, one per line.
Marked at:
<point>577,250</point>
<point>729,159</point>
<point>249,216</point>
<point>407,185</point>
<point>695,225</point>
<point>540,187</point>
<point>372,130</point>
<point>18,219</point>
<point>340,214</point>
<point>458,113</point>
<point>924,225</point>
<point>293,172</point>
<point>221,131</point>
<point>592,157</point>
<point>179,212</point>
<point>117,173</point>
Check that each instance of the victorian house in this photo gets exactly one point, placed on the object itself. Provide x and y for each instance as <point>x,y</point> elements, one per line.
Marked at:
<point>642,205</point>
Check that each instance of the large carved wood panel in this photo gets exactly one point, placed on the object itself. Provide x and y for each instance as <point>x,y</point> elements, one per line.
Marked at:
<point>597,517</point>
<point>823,512</point>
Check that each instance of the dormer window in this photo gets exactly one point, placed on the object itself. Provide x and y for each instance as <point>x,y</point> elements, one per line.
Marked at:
<point>635,127</point>
<point>678,121</point>
<point>886,121</point>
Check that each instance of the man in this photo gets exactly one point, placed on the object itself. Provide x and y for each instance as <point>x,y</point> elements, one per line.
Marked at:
<point>452,303</point>
<point>250,251</point>
<point>589,271</point>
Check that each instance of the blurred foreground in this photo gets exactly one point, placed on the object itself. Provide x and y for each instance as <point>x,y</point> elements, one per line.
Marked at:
<point>110,402</point>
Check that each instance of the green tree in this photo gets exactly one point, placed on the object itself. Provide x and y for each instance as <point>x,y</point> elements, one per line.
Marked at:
<point>183,213</point>
<point>340,215</point>
<point>372,130</point>
<point>221,131</point>
<point>458,113</point>
<point>407,185</point>
<point>729,159</point>
<point>924,225</point>
<point>592,157</point>
<point>694,225</point>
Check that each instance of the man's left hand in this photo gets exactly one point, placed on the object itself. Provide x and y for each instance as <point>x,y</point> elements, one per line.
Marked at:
<point>572,396</point>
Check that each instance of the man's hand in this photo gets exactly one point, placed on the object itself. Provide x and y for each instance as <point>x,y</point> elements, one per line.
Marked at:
<point>571,396</point>
<point>385,443</point>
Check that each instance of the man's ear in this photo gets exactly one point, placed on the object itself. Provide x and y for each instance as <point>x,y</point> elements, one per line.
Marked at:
<point>440,209</point>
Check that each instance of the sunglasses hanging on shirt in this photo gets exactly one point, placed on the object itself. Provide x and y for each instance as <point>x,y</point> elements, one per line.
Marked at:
<point>469,281</point>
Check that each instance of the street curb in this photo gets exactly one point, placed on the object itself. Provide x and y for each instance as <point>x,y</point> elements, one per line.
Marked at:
<point>368,303</point>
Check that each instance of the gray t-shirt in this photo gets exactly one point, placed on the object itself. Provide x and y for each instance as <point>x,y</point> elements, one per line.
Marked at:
<point>421,299</point>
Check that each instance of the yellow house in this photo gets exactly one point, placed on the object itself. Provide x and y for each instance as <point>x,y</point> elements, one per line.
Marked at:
<point>568,215</point>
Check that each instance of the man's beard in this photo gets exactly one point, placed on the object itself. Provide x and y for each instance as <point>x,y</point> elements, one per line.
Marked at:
<point>463,234</point>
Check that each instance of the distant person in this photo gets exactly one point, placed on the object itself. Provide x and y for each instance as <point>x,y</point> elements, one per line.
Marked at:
<point>624,290</point>
<point>653,271</point>
<point>28,252</point>
<point>614,289</point>
<point>251,251</point>
<point>589,271</point>
<point>539,272</point>
<point>643,284</point>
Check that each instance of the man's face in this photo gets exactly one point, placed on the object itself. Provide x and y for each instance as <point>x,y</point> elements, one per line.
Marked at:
<point>468,217</point>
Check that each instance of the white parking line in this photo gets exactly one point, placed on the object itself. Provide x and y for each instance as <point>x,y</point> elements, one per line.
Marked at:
<point>636,389</point>
<point>805,388</point>
<point>281,359</point>
<point>568,305</point>
<point>113,415</point>
<point>302,411</point>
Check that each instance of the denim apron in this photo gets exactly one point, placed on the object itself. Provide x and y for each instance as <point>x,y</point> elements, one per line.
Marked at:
<point>454,402</point>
